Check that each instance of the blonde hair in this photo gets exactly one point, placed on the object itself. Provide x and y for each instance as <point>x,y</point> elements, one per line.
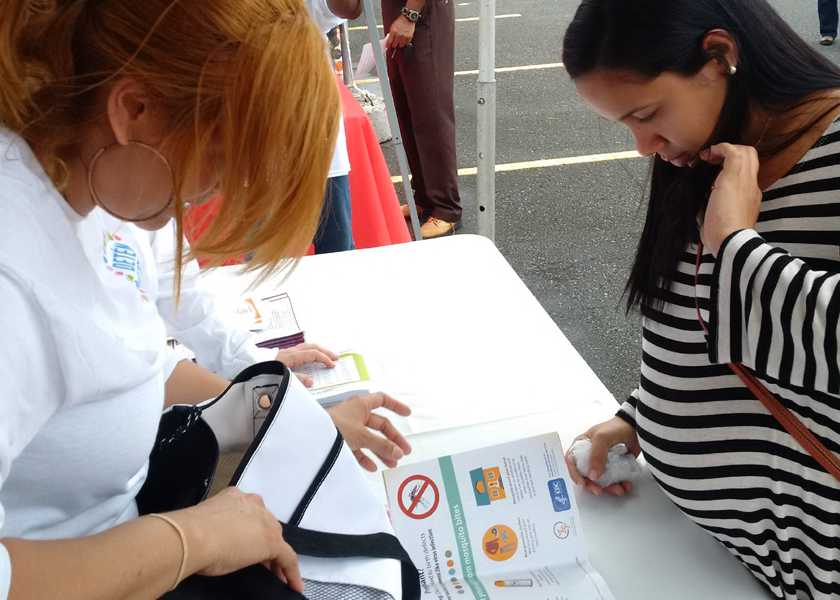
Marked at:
<point>249,74</point>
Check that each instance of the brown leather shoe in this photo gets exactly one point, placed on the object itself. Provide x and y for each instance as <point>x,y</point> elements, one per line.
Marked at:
<point>435,228</point>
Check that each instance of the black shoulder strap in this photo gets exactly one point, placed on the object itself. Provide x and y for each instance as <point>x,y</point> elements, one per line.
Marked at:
<point>336,545</point>
<point>269,367</point>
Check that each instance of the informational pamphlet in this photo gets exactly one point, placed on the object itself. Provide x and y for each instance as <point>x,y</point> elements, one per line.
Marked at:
<point>271,319</point>
<point>495,523</point>
<point>349,377</point>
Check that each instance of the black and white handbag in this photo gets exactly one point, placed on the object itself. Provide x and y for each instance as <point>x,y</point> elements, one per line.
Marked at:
<point>308,478</point>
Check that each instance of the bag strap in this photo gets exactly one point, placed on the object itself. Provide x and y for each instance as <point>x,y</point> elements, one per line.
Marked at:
<point>320,544</point>
<point>796,428</point>
<point>268,367</point>
<point>319,478</point>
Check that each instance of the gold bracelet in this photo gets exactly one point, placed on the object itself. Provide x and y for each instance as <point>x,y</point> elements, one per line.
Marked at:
<point>183,537</point>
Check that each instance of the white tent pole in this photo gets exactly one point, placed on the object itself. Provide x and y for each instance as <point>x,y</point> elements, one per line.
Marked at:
<point>346,58</point>
<point>486,119</point>
<point>382,71</point>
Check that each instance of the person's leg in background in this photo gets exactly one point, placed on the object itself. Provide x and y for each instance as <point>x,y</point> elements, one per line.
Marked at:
<point>390,11</point>
<point>426,72</point>
<point>418,188</point>
<point>335,232</point>
<point>827,10</point>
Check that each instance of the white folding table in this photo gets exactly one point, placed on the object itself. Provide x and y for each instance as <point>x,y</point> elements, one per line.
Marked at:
<point>461,338</point>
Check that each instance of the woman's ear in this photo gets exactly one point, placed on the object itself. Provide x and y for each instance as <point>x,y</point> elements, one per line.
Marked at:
<point>129,114</point>
<point>720,47</point>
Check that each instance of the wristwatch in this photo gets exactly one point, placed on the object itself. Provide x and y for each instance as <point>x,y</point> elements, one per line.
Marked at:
<point>411,15</point>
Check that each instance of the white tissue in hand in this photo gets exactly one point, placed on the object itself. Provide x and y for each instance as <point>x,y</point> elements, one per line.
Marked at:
<point>621,465</point>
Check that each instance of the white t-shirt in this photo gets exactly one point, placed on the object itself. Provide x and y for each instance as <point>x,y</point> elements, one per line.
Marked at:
<point>82,362</point>
<point>118,249</point>
<point>218,342</point>
<point>326,20</point>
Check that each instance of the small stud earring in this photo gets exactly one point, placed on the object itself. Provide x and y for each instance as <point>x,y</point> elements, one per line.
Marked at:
<point>733,69</point>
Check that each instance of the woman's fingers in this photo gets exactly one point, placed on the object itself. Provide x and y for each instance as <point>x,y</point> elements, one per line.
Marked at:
<point>398,445</point>
<point>383,400</point>
<point>593,488</point>
<point>721,153</point>
<point>601,445</point>
<point>364,460</point>
<point>573,472</point>
<point>303,354</point>
<point>285,565</point>
<point>305,357</point>
<point>394,405</point>
<point>306,380</point>
<point>308,346</point>
<point>716,154</point>
<point>616,489</point>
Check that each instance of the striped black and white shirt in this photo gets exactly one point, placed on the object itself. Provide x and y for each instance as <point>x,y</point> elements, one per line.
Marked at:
<point>772,301</point>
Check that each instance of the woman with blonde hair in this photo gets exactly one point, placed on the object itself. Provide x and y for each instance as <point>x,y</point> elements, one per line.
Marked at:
<point>133,111</point>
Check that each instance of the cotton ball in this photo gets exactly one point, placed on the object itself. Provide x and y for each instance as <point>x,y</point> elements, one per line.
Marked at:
<point>621,465</point>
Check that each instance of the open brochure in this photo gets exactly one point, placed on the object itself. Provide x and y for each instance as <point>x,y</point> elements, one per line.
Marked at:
<point>495,523</point>
<point>271,319</point>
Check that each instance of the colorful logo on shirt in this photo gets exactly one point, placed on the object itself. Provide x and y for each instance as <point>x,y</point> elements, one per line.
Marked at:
<point>122,260</point>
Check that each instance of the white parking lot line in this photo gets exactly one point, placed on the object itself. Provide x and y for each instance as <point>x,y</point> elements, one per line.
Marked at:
<point>548,162</point>
<point>558,65</point>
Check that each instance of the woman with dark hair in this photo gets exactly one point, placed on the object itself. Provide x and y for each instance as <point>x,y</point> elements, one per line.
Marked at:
<point>738,262</point>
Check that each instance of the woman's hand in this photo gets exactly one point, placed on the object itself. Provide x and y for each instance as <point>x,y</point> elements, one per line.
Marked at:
<point>603,437</point>
<point>736,197</point>
<point>304,354</point>
<point>233,530</point>
<point>357,422</point>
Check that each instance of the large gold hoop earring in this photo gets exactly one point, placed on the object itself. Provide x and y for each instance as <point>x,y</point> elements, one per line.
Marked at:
<point>98,199</point>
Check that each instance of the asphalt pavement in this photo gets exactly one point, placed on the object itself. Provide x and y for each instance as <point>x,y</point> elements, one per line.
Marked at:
<point>569,231</point>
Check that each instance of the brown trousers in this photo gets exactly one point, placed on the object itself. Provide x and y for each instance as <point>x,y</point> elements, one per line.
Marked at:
<point>422,80</point>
